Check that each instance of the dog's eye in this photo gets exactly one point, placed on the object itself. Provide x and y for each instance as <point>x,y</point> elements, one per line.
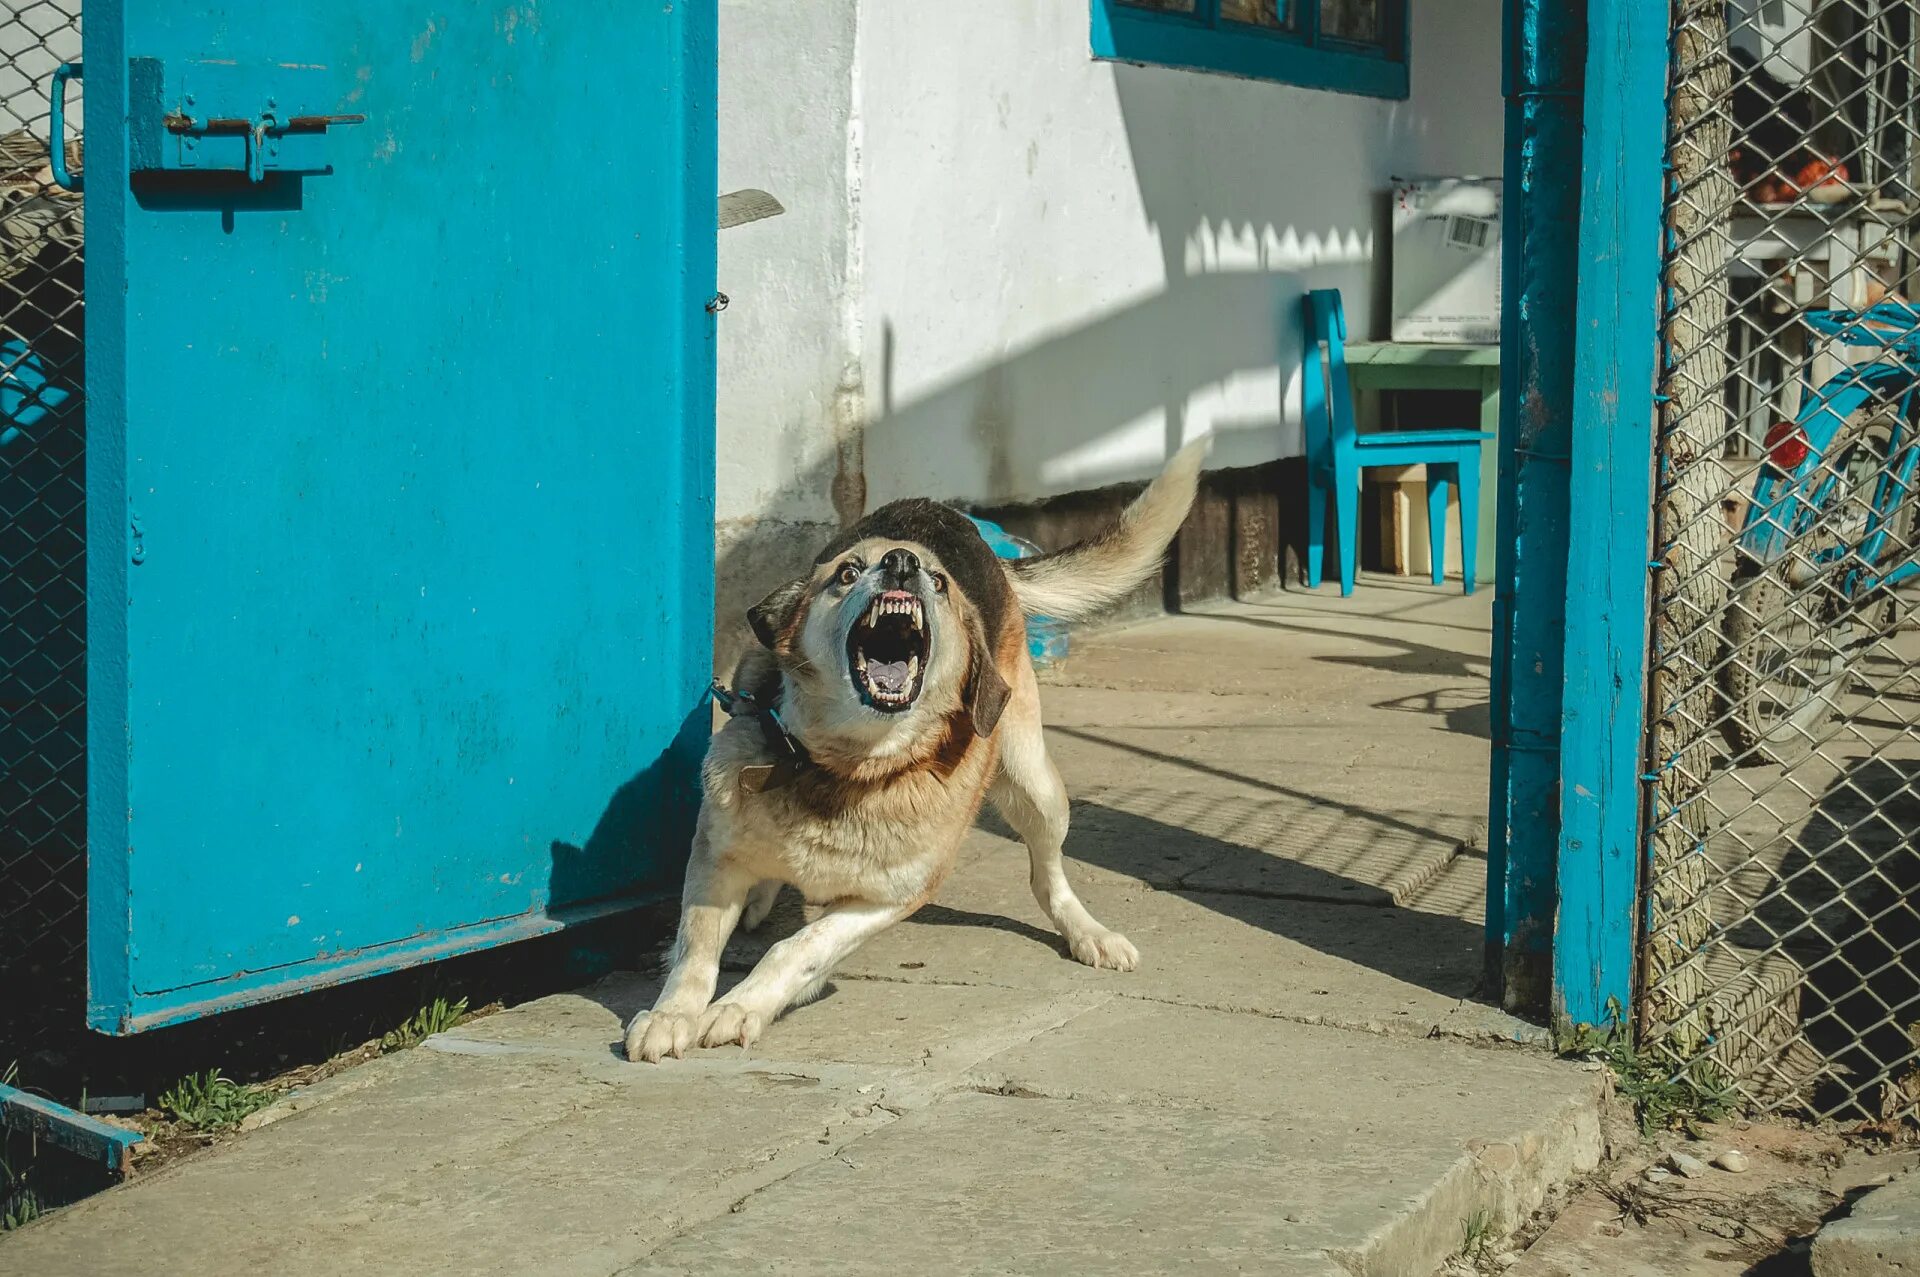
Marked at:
<point>939,582</point>
<point>849,574</point>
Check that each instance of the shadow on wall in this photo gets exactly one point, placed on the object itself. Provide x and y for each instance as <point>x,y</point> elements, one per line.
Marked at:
<point>1242,235</point>
<point>640,841</point>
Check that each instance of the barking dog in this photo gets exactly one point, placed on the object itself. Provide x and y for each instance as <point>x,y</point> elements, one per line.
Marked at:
<point>894,694</point>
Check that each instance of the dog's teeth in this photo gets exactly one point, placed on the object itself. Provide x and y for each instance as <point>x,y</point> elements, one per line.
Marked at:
<point>913,669</point>
<point>919,616</point>
<point>873,614</point>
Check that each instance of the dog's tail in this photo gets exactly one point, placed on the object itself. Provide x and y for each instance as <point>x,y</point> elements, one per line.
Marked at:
<point>1077,582</point>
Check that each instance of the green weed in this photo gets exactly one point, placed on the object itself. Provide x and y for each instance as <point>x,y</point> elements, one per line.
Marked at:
<point>19,1204</point>
<point>212,1102</point>
<point>437,1017</point>
<point>1476,1235</point>
<point>1664,1096</point>
<point>18,1208</point>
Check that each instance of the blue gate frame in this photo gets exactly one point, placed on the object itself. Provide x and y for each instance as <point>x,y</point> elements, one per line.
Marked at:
<point>1586,123</point>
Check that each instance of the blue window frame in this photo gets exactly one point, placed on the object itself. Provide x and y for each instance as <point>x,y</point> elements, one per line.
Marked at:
<point>1348,46</point>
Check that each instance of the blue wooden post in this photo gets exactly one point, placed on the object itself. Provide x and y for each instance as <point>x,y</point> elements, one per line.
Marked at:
<point>1610,508</point>
<point>1545,64</point>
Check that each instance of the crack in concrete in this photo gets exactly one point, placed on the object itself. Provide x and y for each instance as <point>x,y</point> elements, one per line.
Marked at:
<point>902,1093</point>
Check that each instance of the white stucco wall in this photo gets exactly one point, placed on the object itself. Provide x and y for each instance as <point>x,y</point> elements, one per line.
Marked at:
<point>789,405</point>
<point>788,364</point>
<point>1071,265</point>
<point>1007,270</point>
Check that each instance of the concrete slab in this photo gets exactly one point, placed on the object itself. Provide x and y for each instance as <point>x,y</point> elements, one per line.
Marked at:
<point>883,1026</point>
<point>1384,970</point>
<point>1308,848</point>
<point>1144,1138</point>
<point>509,1164</point>
<point>1880,1236</point>
<point>1273,804</point>
<point>1067,1188</point>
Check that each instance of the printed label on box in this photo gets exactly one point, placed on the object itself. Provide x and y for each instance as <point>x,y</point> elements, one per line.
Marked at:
<point>1446,261</point>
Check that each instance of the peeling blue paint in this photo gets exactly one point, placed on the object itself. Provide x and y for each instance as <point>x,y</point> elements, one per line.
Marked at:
<point>1545,76</point>
<point>1611,509</point>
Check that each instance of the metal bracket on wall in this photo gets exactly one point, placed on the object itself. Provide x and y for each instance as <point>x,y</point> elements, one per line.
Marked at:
<point>737,208</point>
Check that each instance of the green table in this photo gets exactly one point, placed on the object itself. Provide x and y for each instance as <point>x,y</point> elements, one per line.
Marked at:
<point>1392,365</point>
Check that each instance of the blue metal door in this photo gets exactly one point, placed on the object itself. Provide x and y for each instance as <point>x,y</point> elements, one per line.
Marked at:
<point>399,480</point>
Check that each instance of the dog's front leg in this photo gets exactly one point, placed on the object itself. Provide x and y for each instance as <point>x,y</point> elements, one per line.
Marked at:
<point>793,970</point>
<point>709,907</point>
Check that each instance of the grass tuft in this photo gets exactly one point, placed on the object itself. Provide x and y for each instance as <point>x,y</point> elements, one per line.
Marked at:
<point>1476,1236</point>
<point>437,1017</point>
<point>211,1101</point>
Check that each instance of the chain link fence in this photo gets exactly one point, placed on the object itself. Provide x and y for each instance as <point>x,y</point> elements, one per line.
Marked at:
<point>1781,944</point>
<point>42,546</point>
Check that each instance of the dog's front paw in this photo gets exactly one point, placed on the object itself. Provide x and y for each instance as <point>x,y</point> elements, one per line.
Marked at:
<point>729,1023</point>
<point>1103,948</point>
<point>654,1034</point>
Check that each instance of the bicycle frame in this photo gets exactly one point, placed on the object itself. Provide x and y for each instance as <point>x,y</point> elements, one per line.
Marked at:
<point>1785,506</point>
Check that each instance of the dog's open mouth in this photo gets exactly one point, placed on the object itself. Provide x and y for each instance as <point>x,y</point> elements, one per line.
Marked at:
<point>887,651</point>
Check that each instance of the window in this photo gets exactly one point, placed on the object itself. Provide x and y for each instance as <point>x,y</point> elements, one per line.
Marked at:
<point>1350,46</point>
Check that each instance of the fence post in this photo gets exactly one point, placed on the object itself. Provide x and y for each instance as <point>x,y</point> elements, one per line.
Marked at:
<point>1545,65</point>
<point>1610,509</point>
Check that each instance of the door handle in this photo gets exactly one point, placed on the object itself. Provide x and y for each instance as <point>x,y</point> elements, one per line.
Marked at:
<point>57,125</point>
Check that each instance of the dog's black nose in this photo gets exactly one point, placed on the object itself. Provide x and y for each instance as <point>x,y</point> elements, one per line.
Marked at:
<point>899,564</point>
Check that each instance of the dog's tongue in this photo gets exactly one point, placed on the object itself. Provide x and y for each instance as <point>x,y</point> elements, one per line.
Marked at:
<point>888,676</point>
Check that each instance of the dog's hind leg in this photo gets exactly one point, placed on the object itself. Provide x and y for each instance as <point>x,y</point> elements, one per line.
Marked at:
<point>1029,794</point>
<point>710,906</point>
<point>759,904</point>
<point>794,970</point>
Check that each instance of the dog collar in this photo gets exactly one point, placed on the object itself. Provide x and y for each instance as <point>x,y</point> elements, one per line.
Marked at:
<point>790,757</point>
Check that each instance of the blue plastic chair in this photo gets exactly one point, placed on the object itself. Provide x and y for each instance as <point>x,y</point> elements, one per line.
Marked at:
<point>1337,452</point>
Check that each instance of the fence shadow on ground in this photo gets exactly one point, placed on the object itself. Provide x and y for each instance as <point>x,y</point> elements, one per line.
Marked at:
<point>1845,906</point>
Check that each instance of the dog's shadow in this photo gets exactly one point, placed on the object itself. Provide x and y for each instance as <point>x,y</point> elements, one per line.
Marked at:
<point>1347,918</point>
<point>625,994</point>
<point>790,913</point>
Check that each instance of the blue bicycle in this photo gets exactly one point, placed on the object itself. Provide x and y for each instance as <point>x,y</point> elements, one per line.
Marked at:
<point>1828,535</point>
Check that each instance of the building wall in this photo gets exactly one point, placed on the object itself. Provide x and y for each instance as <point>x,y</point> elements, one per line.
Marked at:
<point>1050,269</point>
<point>790,403</point>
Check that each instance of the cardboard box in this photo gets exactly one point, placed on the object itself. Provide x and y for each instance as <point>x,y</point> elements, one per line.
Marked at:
<point>1446,261</point>
<point>1405,549</point>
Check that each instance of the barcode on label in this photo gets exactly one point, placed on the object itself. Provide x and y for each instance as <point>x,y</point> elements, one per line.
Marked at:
<point>1468,232</point>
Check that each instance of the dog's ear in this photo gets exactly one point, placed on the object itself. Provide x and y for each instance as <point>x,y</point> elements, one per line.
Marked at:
<point>987,692</point>
<point>772,616</point>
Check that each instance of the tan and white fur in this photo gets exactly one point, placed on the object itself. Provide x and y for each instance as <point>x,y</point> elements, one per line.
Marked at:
<point>900,664</point>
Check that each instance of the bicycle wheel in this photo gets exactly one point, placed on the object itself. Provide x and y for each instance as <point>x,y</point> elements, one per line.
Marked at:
<point>1792,633</point>
<point>1789,658</point>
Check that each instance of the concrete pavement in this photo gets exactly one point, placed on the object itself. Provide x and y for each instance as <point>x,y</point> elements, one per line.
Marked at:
<point>1279,803</point>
